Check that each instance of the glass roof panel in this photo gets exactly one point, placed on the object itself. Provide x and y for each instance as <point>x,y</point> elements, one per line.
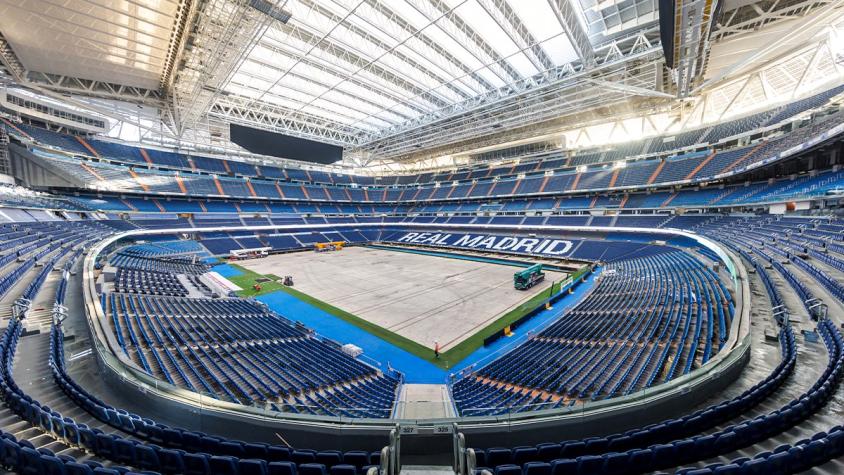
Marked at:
<point>374,64</point>
<point>479,20</point>
<point>522,64</point>
<point>540,19</point>
<point>343,68</point>
<point>418,20</point>
<point>560,50</point>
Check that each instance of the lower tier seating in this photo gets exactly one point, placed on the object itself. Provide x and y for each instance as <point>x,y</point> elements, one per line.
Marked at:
<point>624,338</point>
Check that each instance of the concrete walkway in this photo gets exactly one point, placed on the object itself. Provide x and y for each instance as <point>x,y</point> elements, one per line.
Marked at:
<point>425,401</point>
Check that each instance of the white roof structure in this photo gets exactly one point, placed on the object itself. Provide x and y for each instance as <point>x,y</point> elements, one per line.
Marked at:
<point>389,80</point>
<point>121,42</point>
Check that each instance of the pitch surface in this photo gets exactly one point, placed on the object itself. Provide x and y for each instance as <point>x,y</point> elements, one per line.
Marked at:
<point>423,298</point>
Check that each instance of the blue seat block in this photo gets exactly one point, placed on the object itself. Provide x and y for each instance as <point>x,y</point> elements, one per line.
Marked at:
<point>329,458</point>
<point>616,463</point>
<point>589,464</point>
<point>223,465</point>
<point>508,469</point>
<point>564,467</point>
<point>106,471</point>
<point>252,467</point>
<point>282,468</point>
<point>277,453</point>
<point>537,468</point>
<point>547,452</point>
<point>498,456</point>
<point>235,449</point>
<point>146,458</point>
<point>256,451</point>
<point>29,462</point>
<point>105,445</point>
<point>312,469</point>
<point>170,461</point>
<point>779,462</point>
<point>343,469</point>
<point>195,464</point>
<point>755,467</point>
<point>210,444</point>
<point>124,451</point>
<point>358,458</point>
<point>172,437</point>
<point>87,439</point>
<point>302,456</point>
<point>52,465</point>
<point>729,469</point>
<point>10,454</point>
<point>73,468</point>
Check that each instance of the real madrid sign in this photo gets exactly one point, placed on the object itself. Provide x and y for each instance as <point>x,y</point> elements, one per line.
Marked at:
<point>527,245</point>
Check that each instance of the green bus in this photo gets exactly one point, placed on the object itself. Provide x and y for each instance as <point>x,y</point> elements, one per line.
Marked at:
<point>529,277</point>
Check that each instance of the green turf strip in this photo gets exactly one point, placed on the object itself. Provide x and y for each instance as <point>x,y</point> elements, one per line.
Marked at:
<point>447,358</point>
<point>248,278</point>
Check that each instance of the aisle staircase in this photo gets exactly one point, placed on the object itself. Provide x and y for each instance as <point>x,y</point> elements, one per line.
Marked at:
<point>424,401</point>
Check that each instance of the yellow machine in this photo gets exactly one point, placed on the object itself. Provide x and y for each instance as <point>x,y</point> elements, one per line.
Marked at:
<point>329,246</point>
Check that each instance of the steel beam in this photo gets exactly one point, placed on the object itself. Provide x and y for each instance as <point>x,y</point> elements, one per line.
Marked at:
<point>90,88</point>
<point>10,59</point>
<point>728,72</point>
<point>632,51</point>
<point>635,90</point>
<point>186,14</point>
<point>270,117</point>
<point>320,82</point>
<point>227,31</point>
<point>568,18</point>
<point>693,21</point>
<point>751,17</point>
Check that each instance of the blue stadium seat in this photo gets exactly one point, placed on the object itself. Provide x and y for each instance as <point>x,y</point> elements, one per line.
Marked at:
<point>282,468</point>
<point>312,469</point>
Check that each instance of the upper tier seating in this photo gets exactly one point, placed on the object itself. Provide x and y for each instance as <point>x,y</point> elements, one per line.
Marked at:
<point>194,179</point>
<point>697,166</point>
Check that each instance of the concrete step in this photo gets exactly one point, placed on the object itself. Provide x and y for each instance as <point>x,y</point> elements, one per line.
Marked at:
<point>427,470</point>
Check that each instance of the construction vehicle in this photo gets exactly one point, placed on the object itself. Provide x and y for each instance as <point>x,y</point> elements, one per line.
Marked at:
<point>329,246</point>
<point>529,277</point>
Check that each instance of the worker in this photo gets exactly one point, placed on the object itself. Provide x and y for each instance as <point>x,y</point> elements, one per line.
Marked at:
<point>436,349</point>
